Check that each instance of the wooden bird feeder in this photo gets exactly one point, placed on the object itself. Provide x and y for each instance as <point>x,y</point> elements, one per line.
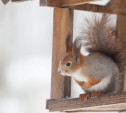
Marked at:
<point>60,86</point>
<point>62,26</point>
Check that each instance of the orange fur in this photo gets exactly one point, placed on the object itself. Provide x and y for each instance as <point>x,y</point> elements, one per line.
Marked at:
<point>91,82</point>
<point>81,61</point>
<point>84,97</point>
<point>79,83</point>
<point>96,94</point>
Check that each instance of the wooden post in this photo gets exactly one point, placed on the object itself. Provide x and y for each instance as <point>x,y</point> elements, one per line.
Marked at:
<point>63,25</point>
<point>121,25</point>
<point>121,30</point>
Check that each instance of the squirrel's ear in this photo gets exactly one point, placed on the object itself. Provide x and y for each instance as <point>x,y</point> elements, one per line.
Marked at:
<point>69,43</point>
<point>76,47</point>
<point>77,59</point>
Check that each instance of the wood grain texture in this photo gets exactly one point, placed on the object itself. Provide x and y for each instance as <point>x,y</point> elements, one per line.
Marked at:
<point>64,3</point>
<point>74,2</point>
<point>109,8</point>
<point>92,7</point>
<point>108,102</point>
<point>119,6</point>
<point>63,25</point>
<point>51,3</point>
<point>121,26</point>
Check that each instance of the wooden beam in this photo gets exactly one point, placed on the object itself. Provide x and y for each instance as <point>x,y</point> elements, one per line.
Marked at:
<point>119,3</point>
<point>92,7</point>
<point>121,26</point>
<point>110,8</point>
<point>63,3</point>
<point>108,102</point>
<point>51,3</point>
<point>74,2</point>
<point>63,25</point>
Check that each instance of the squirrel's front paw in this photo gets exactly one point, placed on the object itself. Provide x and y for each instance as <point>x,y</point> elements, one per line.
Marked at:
<point>96,94</point>
<point>84,97</point>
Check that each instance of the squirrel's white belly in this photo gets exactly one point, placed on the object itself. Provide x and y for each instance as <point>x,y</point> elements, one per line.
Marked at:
<point>77,75</point>
<point>98,87</point>
<point>101,86</point>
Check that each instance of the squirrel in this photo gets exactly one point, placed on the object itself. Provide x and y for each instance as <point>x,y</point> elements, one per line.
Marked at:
<point>96,73</point>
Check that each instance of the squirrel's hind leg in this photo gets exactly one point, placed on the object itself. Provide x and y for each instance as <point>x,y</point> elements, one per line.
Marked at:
<point>96,94</point>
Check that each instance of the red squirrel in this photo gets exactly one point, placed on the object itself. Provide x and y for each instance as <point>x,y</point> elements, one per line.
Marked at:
<point>97,72</point>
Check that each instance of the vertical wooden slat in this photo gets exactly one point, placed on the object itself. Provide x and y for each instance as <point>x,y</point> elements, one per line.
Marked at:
<point>119,5</point>
<point>63,25</point>
<point>121,29</point>
<point>121,25</point>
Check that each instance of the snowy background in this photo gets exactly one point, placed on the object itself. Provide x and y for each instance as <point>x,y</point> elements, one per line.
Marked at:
<point>26,32</point>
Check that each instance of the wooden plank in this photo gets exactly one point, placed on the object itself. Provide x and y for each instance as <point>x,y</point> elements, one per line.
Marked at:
<point>92,7</point>
<point>74,2</point>
<point>109,8</point>
<point>108,102</point>
<point>119,3</point>
<point>63,25</point>
<point>63,3</point>
<point>51,3</point>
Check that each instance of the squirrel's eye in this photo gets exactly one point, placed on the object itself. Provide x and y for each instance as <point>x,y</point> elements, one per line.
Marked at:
<point>68,64</point>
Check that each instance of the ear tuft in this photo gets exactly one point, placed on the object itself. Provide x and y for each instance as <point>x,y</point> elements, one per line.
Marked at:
<point>69,43</point>
<point>77,59</point>
<point>77,46</point>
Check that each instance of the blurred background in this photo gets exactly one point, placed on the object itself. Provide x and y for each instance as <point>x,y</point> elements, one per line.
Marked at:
<point>26,32</point>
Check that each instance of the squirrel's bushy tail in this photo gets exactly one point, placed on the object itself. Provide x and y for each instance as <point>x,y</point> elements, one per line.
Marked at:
<point>101,35</point>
